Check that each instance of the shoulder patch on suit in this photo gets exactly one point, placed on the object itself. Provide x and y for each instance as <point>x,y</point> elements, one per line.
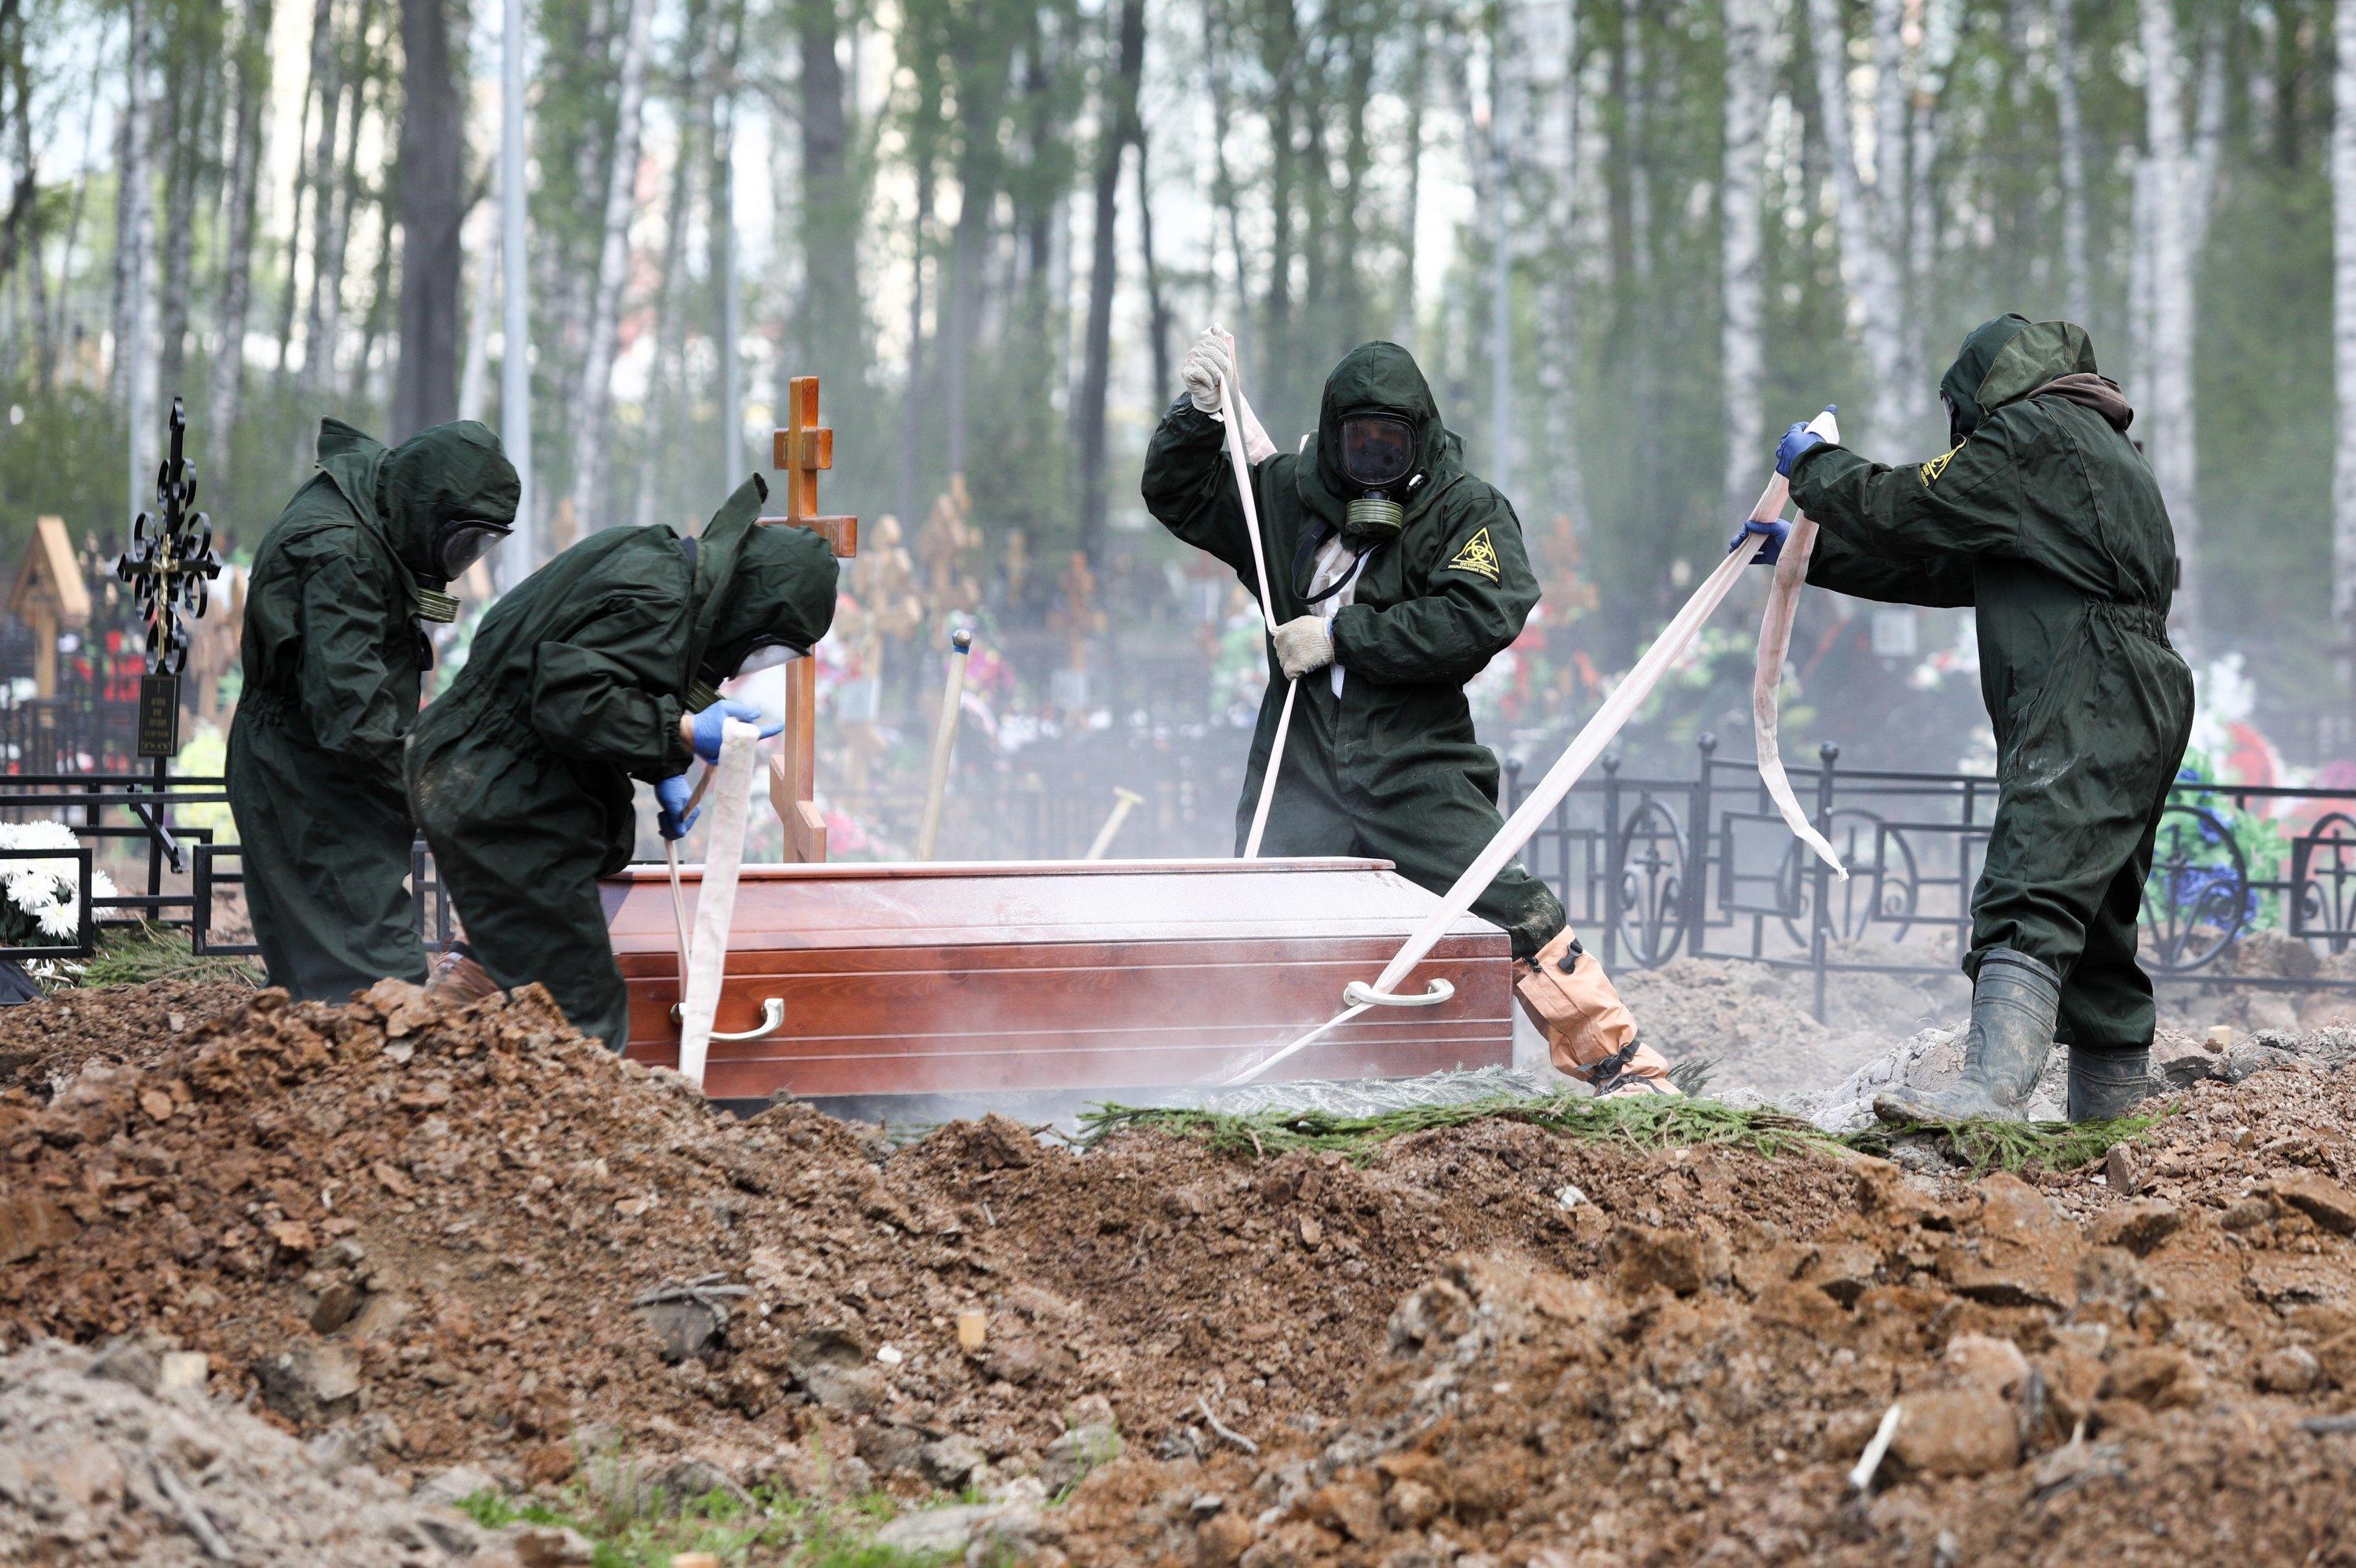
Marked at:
<point>1478,557</point>
<point>1938,464</point>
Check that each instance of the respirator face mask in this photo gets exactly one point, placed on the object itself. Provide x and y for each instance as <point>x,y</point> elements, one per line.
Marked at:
<point>1378,453</point>
<point>464,542</point>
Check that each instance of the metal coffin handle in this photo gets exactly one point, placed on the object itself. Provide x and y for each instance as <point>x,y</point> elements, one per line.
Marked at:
<point>772,1018</point>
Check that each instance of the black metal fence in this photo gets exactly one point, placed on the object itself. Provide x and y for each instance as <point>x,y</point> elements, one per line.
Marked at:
<point>1651,869</point>
<point>1656,867</point>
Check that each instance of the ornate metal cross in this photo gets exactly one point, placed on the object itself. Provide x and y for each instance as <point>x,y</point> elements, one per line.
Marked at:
<point>171,559</point>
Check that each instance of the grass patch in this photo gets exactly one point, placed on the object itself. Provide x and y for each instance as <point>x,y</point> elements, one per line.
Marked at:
<point>133,956</point>
<point>1651,1122</point>
<point>776,1525</point>
<point>1986,1146</point>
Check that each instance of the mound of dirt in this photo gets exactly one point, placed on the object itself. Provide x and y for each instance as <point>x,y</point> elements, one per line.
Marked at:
<point>423,1237</point>
<point>99,1463</point>
<point>44,1042</point>
<point>2164,1374</point>
<point>470,1235</point>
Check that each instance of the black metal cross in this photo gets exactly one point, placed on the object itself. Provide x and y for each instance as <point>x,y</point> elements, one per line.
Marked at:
<point>170,567</point>
<point>171,561</point>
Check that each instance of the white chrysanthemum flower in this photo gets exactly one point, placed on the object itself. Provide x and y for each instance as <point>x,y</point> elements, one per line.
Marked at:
<point>45,892</point>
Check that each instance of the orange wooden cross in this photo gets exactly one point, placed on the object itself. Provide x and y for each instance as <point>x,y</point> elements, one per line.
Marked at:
<point>802,448</point>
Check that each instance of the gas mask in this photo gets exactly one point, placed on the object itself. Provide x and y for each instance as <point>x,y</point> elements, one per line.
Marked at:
<point>462,541</point>
<point>1378,454</point>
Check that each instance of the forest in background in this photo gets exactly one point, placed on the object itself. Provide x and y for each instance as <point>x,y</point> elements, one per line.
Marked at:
<point>1628,241</point>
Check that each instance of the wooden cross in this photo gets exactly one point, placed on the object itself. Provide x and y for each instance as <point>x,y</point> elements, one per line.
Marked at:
<point>802,449</point>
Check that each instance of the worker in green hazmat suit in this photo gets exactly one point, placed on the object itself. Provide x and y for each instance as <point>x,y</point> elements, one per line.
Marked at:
<point>335,660</point>
<point>2044,519</point>
<point>1396,575</point>
<point>597,669</point>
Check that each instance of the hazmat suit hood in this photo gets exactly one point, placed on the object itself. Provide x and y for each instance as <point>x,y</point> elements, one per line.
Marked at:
<point>2055,359</point>
<point>756,586</point>
<point>455,470</point>
<point>1959,388</point>
<point>1377,378</point>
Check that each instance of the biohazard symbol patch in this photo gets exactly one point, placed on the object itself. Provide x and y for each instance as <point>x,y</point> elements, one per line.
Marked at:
<point>1478,557</point>
<point>1938,464</point>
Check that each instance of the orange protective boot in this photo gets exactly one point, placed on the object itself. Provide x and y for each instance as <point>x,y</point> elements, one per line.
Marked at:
<point>457,979</point>
<point>1589,1032</point>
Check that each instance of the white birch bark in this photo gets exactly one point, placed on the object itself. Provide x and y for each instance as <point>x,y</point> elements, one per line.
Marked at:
<point>1865,260</point>
<point>1551,38</point>
<point>594,398</point>
<point>1501,252</point>
<point>135,250</point>
<point>2343,335</point>
<point>482,308</point>
<point>2171,204</point>
<point>2077,285</point>
<point>1742,348</point>
<point>226,381</point>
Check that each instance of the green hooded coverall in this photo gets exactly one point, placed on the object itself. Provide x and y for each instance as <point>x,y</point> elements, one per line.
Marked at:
<point>333,668</point>
<point>2047,522</point>
<point>520,774</point>
<point>1389,767</point>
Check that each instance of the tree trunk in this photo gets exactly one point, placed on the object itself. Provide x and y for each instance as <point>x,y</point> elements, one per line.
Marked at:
<point>336,206</point>
<point>668,374</point>
<point>594,401</point>
<point>226,385</point>
<point>189,70</point>
<point>2170,443</point>
<point>1157,304</point>
<point>433,211</point>
<point>981,106</point>
<point>134,288</point>
<point>1118,119</point>
<point>475,367</point>
<point>1500,201</point>
<point>1866,257</point>
<point>2078,276</point>
<point>1743,360</point>
<point>2343,324</point>
<point>1419,80</point>
<point>832,329</point>
<point>324,91</point>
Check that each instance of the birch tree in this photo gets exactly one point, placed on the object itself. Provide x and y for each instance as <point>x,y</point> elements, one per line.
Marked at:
<point>2343,335</point>
<point>594,399</point>
<point>2070,124</point>
<point>1869,259</point>
<point>2168,207</point>
<point>225,384</point>
<point>1741,352</point>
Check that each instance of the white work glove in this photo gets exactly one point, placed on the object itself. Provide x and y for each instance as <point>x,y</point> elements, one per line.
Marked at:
<point>1304,644</point>
<point>1210,362</point>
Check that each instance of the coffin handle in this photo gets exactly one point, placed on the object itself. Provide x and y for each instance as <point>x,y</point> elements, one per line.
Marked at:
<point>772,1018</point>
<point>1358,994</point>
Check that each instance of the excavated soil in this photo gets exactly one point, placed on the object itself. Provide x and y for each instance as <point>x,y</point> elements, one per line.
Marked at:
<point>45,1042</point>
<point>2161,1377</point>
<point>424,1239</point>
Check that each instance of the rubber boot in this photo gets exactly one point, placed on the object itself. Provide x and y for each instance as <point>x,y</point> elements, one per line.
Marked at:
<point>457,979</point>
<point>1589,1034</point>
<point>2108,1083</point>
<point>2014,1005</point>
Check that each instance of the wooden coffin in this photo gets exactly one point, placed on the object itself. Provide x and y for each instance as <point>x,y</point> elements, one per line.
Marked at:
<point>1058,976</point>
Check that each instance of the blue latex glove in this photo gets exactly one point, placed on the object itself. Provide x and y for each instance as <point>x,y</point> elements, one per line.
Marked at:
<point>708,725</point>
<point>674,818</point>
<point>1775,533</point>
<point>1797,440</point>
